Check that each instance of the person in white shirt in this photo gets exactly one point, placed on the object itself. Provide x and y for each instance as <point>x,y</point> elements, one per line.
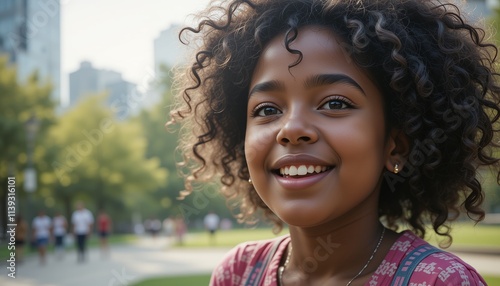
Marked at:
<point>83,221</point>
<point>41,226</point>
<point>211,222</point>
<point>60,225</point>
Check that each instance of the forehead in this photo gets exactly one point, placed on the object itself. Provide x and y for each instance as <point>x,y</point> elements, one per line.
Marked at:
<point>322,50</point>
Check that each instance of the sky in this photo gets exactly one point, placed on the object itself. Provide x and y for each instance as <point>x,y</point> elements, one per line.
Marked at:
<point>117,34</point>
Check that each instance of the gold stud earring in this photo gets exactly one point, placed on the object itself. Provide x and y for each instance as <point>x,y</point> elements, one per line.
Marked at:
<point>250,181</point>
<point>396,168</point>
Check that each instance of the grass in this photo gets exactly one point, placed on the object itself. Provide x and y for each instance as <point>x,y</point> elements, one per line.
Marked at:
<point>191,280</point>
<point>228,238</point>
<point>466,234</point>
<point>490,280</point>
<point>203,280</point>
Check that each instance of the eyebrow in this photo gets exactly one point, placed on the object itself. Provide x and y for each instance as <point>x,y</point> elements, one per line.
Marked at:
<point>272,85</point>
<point>313,81</point>
<point>327,79</point>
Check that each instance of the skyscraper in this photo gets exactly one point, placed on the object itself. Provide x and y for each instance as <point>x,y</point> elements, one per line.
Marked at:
<point>89,80</point>
<point>168,50</point>
<point>30,36</point>
<point>122,98</point>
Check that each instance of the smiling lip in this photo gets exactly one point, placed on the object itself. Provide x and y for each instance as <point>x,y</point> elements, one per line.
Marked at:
<point>298,171</point>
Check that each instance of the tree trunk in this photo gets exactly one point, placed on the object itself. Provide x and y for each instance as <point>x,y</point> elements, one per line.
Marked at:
<point>3,203</point>
<point>68,210</point>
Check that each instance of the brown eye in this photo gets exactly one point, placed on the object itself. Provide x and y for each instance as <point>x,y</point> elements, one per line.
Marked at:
<point>266,111</point>
<point>335,104</point>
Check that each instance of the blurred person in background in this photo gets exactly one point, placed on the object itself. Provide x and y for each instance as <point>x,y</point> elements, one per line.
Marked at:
<point>60,226</point>
<point>21,235</point>
<point>211,222</point>
<point>83,221</point>
<point>104,228</point>
<point>180,229</point>
<point>41,226</point>
<point>169,226</point>
<point>155,227</point>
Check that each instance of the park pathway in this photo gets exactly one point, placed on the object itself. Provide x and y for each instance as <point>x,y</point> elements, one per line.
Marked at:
<point>126,264</point>
<point>147,258</point>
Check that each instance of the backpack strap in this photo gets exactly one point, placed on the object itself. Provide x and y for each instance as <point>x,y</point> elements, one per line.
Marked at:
<point>255,277</point>
<point>410,262</point>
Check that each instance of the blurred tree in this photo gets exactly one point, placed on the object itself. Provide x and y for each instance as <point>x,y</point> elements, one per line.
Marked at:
<point>93,157</point>
<point>491,187</point>
<point>19,103</point>
<point>162,144</point>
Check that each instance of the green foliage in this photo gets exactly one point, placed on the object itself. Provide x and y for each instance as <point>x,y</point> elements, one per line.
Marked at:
<point>18,103</point>
<point>92,156</point>
<point>162,144</point>
<point>492,192</point>
<point>491,187</point>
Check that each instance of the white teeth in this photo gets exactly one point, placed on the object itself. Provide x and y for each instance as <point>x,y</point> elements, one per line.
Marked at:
<point>293,171</point>
<point>301,170</point>
<point>310,169</point>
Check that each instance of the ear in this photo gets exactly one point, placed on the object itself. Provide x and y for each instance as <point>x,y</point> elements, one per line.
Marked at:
<point>397,150</point>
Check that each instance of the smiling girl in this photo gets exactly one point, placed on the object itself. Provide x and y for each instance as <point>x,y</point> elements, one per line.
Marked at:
<point>346,120</point>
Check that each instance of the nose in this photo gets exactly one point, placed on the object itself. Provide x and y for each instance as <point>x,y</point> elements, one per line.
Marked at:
<point>296,129</point>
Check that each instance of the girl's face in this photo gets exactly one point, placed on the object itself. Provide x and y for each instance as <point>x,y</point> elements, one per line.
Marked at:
<point>315,139</point>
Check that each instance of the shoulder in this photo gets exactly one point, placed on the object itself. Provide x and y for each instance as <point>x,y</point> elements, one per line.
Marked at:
<point>247,258</point>
<point>444,268</point>
<point>438,268</point>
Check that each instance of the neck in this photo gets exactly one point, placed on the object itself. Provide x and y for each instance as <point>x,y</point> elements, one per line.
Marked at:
<point>336,252</point>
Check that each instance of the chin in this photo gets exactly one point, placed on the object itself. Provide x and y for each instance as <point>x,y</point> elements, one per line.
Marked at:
<point>302,219</point>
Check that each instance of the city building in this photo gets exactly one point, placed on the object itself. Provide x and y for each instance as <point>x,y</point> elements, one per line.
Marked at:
<point>168,50</point>
<point>88,80</point>
<point>30,34</point>
<point>479,10</point>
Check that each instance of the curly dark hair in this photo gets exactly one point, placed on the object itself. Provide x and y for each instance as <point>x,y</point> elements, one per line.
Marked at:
<point>435,70</point>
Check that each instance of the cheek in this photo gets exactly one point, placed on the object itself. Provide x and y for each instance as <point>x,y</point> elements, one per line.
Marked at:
<point>361,149</point>
<point>258,140</point>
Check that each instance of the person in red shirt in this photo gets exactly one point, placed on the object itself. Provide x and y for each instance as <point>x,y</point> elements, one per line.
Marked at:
<point>104,228</point>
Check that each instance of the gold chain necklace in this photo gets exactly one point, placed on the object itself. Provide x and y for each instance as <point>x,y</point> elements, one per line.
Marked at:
<point>281,269</point>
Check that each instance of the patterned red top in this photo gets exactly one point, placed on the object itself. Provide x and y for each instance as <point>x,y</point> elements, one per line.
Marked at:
<point>246,264</point>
